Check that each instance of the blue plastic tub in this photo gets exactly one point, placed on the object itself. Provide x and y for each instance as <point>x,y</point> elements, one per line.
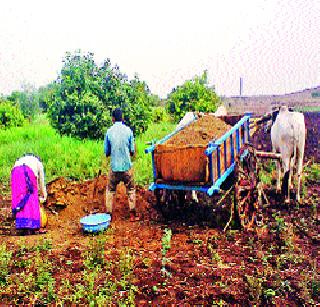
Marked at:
<point>95,222</point>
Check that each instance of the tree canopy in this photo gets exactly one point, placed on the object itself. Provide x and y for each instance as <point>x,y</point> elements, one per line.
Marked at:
<point>193,95</point>
<point>86,93</point>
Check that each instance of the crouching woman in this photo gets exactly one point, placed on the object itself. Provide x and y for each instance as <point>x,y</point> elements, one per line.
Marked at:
<point>27,182</point>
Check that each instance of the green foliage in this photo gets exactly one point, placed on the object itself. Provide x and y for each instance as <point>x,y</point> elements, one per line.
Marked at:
<point>86,93</point>
<point>47,95</point>
<point>77,109</point>
<point>94,255</point>
<point>166,245</point>
<point>126,264</point>
<point>159,114</point>
<point>44,281</point>
<point>43,245</point>
<point>155,100</point>
<point>10,115</point>
<point>193,95</point>
<point>5,257</point>
<point>83,117</point>
<point>307,108</point>
<point>61,155</point>
<point>312,173</point>
<point>27,100</point>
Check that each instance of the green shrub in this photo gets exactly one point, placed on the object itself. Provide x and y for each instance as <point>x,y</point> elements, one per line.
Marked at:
<point>193,95</point>
<point>27,101</point>
<point>159,114</point>
<point>10,116</point>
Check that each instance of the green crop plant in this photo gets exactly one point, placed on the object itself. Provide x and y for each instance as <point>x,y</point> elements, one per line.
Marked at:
<point>147,262</point>
<point>126,264</point>
<point>89,278</point>
<point>166,245</point>
<point>94,255</point>
<point>23,284</point>
<point>312,173</point>
<point>43,245</point>
<point>44,281</point>
<point>61,156</point>
<point>5,258</point>
<point>105,293</point>
<point>255,288</point>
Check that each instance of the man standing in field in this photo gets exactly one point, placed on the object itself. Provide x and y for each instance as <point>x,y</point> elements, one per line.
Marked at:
<point>119,144</point>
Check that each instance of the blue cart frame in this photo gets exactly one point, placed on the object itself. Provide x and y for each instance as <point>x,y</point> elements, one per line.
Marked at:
<point>212,147</point>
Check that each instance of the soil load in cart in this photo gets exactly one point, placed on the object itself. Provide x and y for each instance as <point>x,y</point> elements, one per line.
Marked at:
<point>182,158</point>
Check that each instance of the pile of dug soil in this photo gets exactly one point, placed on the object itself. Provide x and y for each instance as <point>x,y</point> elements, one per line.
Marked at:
<point>68,201</point>
<point>200,132</point>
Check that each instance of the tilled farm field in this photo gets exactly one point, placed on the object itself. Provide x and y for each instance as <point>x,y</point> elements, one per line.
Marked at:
<point>172,255</point>
<point>276,264</point>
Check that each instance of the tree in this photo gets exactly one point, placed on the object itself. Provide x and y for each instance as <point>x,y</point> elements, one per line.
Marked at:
<point>26,100</point>
<point>77,109</point>
<point>10,115</point>
<point>46,95</point>
<point>193,95</point>
<point>87,93</point>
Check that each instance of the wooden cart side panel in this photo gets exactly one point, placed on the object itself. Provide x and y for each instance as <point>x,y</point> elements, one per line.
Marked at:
<point>189,164</point>
<point>225,155</point>
<point>181,163</point>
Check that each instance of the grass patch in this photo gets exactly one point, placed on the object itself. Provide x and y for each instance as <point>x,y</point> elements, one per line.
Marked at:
<point>142,161</point>
<point>61,155</point>
<point>69,157</point>
<point>312,173</point>
<point>307,109</point>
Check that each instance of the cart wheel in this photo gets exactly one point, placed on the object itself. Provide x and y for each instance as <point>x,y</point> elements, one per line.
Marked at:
<point>246,187</point>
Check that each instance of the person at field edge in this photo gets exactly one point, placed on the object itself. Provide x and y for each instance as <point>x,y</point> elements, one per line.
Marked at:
<point>119,144</point>
<point>27,182</point>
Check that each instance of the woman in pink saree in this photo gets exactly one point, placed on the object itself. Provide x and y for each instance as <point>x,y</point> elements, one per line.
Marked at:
<point>27,180</point>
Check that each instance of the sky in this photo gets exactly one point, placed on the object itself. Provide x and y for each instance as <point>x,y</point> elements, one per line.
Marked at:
<point>273,45</point>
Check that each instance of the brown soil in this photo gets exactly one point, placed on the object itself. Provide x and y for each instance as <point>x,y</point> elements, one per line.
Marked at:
<point>206,265</point>
<point>68,201</point>
<point>200,132</point>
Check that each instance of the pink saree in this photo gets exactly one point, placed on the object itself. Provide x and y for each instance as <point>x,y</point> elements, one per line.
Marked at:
<point>24,198</point>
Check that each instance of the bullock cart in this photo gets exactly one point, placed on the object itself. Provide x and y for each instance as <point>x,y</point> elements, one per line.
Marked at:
<point>208,165</point>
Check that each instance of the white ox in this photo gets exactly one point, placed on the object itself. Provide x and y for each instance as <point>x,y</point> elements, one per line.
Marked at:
<point>288,134</point>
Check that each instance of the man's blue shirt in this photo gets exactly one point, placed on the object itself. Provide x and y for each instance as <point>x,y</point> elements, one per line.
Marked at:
<point>119,143</point>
